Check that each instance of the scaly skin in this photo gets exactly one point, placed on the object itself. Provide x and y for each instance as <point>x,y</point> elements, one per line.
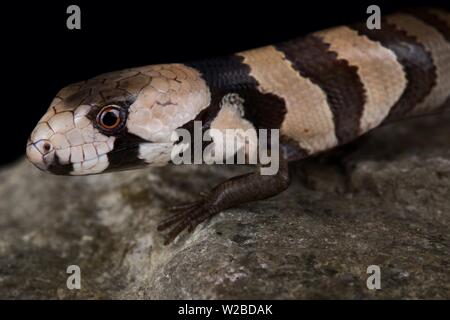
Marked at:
<point>320,91</point>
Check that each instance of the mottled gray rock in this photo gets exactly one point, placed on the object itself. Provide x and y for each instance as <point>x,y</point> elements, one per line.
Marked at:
<point>387,204</point>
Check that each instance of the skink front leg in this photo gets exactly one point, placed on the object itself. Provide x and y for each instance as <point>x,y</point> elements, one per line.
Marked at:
<point>233,192</point>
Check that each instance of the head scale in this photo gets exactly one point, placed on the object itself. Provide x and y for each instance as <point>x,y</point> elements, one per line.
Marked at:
<point>117,121</point>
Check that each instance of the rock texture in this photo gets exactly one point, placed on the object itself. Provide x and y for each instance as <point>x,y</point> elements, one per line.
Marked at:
<point>387,204</point>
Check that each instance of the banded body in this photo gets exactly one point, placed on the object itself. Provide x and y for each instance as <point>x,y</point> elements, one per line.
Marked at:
<point>321,91</point>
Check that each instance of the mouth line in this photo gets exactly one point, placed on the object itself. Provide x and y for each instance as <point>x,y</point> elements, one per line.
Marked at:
<point>131,147</point>
<point>127,148</point>
<point>43,168</point>
<point>59,168</point>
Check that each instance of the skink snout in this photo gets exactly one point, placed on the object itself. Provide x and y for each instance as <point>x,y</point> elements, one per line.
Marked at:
<point>40,153</point>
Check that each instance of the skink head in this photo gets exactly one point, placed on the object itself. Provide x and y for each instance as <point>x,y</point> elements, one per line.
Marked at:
<point>117,121</point>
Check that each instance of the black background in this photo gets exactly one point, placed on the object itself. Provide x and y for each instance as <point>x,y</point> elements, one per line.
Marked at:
<point>40,55</point>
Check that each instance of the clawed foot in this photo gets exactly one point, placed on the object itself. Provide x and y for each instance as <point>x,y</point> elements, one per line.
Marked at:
<point>186,216</point>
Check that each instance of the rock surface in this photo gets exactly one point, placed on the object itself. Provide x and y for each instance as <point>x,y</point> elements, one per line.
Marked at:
<point>388,204</point>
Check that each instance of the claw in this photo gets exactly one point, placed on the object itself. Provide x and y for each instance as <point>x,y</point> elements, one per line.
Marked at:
<point>197,219</point>
<point>173,219</point>
<point>177,230</point>
<point>186,216</point>
<point>204,194</point>
<point>183,206</point>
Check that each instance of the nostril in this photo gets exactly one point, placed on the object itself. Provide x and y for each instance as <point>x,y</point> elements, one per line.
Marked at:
<point>46,147</point>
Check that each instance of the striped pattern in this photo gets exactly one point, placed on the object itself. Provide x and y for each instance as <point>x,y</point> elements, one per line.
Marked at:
<point>416,62</point>
<point>378,68</point>
<point>322,90</point>
<point>439,48</point>
<point>436,18</point>
<point>311,119</point>
<point>229,74</point>
<point>441,21</point>
<point>342,82</point>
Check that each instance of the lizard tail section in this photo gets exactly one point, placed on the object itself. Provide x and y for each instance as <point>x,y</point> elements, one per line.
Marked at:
<point>334,85</point>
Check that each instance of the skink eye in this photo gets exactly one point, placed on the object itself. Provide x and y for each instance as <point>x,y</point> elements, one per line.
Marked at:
<point>111,118</point>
